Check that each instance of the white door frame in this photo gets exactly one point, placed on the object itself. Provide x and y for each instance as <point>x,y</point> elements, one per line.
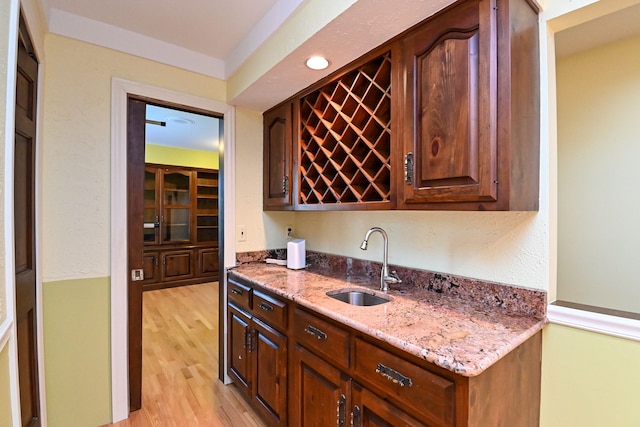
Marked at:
<point>120,90</point>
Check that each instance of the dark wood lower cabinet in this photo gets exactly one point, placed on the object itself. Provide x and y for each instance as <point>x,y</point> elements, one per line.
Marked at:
<point>299,368</point>
<point>257,351</point>
<point>369,410</point>
<point>317,390</point>
<point>164,268</point>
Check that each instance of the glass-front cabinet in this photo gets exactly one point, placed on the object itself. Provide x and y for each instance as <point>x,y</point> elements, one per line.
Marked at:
<point>176,206</point>
<point>167,219</point>
<point>180,225</point>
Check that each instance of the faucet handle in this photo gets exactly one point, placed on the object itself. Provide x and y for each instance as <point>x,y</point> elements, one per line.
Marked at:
<point>393,277</point>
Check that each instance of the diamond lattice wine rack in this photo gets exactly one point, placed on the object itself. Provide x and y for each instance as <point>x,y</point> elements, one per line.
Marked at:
<point>345,140</point>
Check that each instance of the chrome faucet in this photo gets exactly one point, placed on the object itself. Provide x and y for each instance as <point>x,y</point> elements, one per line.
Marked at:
<point>386,278</point>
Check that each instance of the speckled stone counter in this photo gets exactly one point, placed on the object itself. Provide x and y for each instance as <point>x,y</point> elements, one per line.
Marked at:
<point>463,336</point>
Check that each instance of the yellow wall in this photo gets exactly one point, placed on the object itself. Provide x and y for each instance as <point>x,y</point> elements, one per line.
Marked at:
<point>76,216</point>
<point>588,379</point>
<point>77,345</point>
<point>5,392</point>
<point>598,128</point>
<point>180,157</point>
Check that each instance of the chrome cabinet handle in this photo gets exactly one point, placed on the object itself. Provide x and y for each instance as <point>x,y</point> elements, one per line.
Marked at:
<point>285,184</point>
<point>236,291</point>
<point>315,332</point>
<point>393,375</point>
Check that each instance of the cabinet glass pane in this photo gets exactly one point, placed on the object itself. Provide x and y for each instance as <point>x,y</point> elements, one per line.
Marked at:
<point>149,187</point>
<point>176,224</point>
<point>176,189</point>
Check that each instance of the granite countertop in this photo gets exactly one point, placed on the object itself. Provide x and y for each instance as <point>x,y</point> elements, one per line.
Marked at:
<point>462,336</point>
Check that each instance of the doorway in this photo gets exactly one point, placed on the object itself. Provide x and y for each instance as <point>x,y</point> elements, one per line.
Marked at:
<point>177,202</point>
<point>122,90</point>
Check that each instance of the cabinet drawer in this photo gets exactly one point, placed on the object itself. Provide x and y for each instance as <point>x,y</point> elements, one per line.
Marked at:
<point>322,337</point>
<point>407,384</point>
<point>239,293</point>
<point>270,309</point>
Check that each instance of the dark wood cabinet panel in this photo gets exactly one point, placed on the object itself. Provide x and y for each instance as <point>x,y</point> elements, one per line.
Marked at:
<point>319,392</point>
<point>238,348</point>
<point>151,267</point>
<point>278,146</point>
<point>270,379</point>
<point>444,116</point>
<point>177,265</point>
<point>257,350</point>
<point>449,139</point>
<point>369,410</point>
<point>180,226</point>
<point>208,263</point>
<point>471,128</point>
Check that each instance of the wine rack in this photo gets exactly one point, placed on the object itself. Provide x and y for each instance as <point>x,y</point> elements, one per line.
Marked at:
<point>345,138</point>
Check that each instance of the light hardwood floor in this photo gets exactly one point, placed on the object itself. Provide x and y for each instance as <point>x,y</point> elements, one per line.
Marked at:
<point>180,385</point>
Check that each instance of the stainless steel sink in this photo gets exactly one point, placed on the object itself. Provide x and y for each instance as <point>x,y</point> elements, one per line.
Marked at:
<point>361,298</point>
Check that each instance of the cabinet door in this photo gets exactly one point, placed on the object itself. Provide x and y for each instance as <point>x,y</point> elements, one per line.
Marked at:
<point>319,392</point>
<point>151,212</point>
<point>368,410</point>
<point>177,265</point>
<point>208,264</point>
<point>150,267</point>
<point>176,206</point>
<point>240,368</point>
<point>278,144</point>
<point>269,348</point>
<point>450,133</point>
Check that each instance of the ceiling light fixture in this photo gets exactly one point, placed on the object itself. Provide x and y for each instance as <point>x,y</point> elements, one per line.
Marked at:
<point>180,121</point>
<point>317,63</point>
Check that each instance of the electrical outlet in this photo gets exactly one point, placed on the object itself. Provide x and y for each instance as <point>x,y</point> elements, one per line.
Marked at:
<point>242,233</point>
<point>289,232</point>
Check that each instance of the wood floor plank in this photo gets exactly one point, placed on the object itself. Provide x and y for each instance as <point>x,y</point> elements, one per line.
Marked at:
<point>180,364</point>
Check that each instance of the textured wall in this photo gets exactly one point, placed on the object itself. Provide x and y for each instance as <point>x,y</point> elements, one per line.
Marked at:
<point>76,216</point>
<point>598,128</point>
<point>76,148</point>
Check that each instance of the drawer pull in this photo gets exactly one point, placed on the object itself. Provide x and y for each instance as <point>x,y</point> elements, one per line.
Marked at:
<point>265,306</point>
<point>342,412</point>
<point>236,291</point>
<point>315,332</point>
<point>355,416</point>
<point>393,375</point>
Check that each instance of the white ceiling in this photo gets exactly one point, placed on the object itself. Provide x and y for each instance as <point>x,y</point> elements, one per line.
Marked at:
<point>182,129</point>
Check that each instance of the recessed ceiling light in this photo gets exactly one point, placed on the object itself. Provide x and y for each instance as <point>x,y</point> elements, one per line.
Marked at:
<point>317,62</point>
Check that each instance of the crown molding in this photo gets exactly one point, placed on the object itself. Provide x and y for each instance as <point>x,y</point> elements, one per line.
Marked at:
<point>112,37</point>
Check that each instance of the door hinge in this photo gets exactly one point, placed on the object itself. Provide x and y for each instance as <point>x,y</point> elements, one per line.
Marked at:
<point>408,168</point>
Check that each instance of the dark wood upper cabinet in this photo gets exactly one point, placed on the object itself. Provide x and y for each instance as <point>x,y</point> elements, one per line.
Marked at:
<point>278,146</point>
<point>471,122</point>
<point>445,116</point>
